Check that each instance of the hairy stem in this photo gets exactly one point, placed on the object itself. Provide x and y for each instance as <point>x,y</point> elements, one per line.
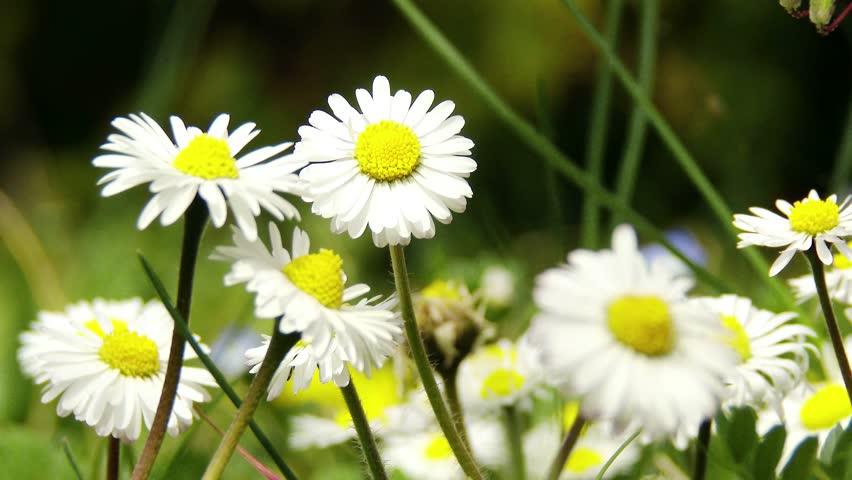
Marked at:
<point>365,435</point>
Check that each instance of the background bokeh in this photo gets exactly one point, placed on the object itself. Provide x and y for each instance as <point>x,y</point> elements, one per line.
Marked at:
<point>758,97</point>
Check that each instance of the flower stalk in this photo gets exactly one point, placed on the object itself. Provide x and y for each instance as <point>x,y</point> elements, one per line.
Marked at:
<point>194,222</point>
<point>362,428</point>
<point>702,447</point>
<point>424,369</point>
<point>278,348</point>
<point>512,423</point>
<point>113,456</point>
<point>567,446</point>
<point>818,270</point>
<point>454,404</point>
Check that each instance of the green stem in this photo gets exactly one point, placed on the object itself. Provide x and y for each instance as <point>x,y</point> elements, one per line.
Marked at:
<point>278,348</point>
<point>212,368</point>
<point>66,447</point>
<point>630,159</point>
<point>702,447</point>
<point>818,270</point>
<point>615,455</point>
<point>681,154</point>
<point>514,438</point>
<point>544,147</point>
<point>551,181</point>
<point>451,388</point>
<point>418,352</point>
<point>362,428</point>
<point>195,219</point>
<point>565,450</point>
<point>598,126</point>
<point>113,456</point>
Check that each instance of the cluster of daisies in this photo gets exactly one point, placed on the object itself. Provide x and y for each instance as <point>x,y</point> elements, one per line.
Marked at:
<point>617,345</point>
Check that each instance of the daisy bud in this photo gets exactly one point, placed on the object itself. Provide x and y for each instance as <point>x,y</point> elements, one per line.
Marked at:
<point>790,5</point>
<point>821,12</point>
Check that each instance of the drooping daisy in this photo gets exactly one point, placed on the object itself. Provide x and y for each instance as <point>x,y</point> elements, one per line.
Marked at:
<point>620,334</point>
<point>809,222</point>
<point>198,163</point>
<point>106,361</point>
<point>498,375</point>
<point>838,280</point>
<point>772,351</point>
<point>308,290</point>
<point>299,366</point>
<point>393,166</point>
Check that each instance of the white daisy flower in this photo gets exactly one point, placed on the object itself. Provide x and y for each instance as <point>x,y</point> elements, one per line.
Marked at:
<point>299,365</point>
<point>773,354</point>
<point>198,163</point>
<point>499,375</point>
<point>393,166</point>
<point>308,290</point>
<point>811,221</point>
<point>106,361</point>
<point>838,280</point>
<point>620,334</point>
<point>497,286</point>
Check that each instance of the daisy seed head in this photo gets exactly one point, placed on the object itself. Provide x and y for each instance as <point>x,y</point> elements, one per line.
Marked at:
<point>739,339</point>
<point>208,158</point>
<point>642,323</point>
<point>826,408</point>
<point>320,275</point>
<point>387,151</point>
<point>128,352</point>
<point>438,448</point>
<point>814,216</point>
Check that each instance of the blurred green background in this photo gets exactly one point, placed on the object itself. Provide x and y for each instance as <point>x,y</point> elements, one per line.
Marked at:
<point>758,97</point>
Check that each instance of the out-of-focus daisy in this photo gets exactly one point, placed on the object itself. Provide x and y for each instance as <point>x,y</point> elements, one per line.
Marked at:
<point>838,280</point>
<point>498,375</point>
<point>772,351</point>
<point>198,163</point>
<point>106,361</point>
<point>308,290</point>
<point>393,166</point>
<point>299,366</point>
<point>620,334</point>
<point>228,351</point>
<point>810,221</point>
<point>497,286</point>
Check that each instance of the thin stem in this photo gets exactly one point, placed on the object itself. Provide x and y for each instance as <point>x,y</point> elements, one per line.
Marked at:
<point>843,158</point>
<point>418,352</point>
<point>615,455</point>
<point>362,428</point>
<point>702,446</point>
<point>212,368</point>
<point>113,456</point>
<point>278,348</point>
<point>598,126</point>
<point>632,155</point>
<point>195,219</point>
<point>544,147</point>
<point>565,450</point>
<point>66,447</point>
<point>512,423</point>
<point>451,388</point>
<point>838,19</point>
<point>551,181</point>
<point>818,270</point>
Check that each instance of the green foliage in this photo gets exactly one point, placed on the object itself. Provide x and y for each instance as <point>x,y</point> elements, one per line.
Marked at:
<point>769,452</point>
<point>802,462</point>
<point>27,454</point>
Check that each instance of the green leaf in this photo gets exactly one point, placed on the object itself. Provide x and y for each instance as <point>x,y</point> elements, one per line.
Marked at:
<point>769,452</point>
<point>739,432</point>
<point>802,461</point>
<point>828,447</point>
<point>836,455</point>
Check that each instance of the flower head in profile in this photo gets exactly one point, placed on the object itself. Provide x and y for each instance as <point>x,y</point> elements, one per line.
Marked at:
<point>309,291</point>
<point>300,365</point>
<point>619,334</point>
<point>772,351</point>
<point>838,280</point>
<point>201,164</point>
<point>106,361</point>
<point>394,166</point>
<point>811,222</point>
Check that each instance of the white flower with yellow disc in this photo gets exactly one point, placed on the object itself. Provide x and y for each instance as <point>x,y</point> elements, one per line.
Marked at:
<point>308,290</point>
<point>810,221</point>
<point>620,334</point>
<point>499,375</point>
<point>772,351</point>
<point>838,280</point>
<point>106,361</point>
<point>393,166</point>
<point>198,163</point>
<point>299,365</point>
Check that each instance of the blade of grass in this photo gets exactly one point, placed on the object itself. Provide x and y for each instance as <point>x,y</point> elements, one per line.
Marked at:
<point>540,144</point>
<point>551,181</point>
<point>598,126</point>
<point>615,455</point>
<point>66,447</point>
<point>211,367</point>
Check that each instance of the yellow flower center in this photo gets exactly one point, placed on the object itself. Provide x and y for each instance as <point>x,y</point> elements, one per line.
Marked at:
<point>739,340</point>
<point>387,151</point>
<point>208,158</point>
<point>828,406</point>
<point>133,355</point>
<point>582,459</point>
<point>501,383</point>
<point>438,448</point>
<point>643,324</point>
<point>442,290</point>
<point>814,216</point>
<point>319,275</point>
